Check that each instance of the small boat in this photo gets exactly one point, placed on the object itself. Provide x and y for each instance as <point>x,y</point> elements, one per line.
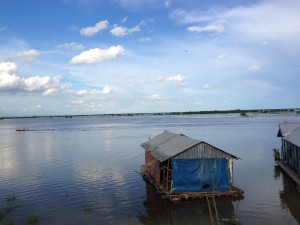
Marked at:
<point>22,129</point>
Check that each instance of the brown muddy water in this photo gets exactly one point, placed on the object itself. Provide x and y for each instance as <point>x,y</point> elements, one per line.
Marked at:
<point>81,170</point>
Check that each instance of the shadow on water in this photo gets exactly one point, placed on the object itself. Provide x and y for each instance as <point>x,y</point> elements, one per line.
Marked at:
<point>163,211</point>
<point>290,195</point>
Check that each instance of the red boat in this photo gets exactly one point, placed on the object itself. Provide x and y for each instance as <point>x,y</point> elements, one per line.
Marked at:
<point>22,129</point>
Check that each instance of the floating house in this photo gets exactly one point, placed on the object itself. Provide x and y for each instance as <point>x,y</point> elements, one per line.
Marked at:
<point>182,167</point>
<point>290,148</point>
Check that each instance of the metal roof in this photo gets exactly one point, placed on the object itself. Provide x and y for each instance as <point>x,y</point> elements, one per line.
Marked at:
<point>293,137</point>
<point>287,127</point>
<point>168,145</point>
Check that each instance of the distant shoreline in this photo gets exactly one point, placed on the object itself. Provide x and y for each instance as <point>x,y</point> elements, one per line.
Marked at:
<point>242,112</point>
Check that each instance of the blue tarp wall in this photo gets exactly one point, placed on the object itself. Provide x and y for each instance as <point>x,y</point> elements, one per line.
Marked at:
<point>197,175</point>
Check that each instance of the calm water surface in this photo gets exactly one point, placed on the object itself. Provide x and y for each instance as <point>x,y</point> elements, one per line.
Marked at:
<point>81,170</point>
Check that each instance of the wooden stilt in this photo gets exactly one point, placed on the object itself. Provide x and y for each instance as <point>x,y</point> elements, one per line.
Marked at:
<point>210,210</point>
<point>211,217</point>
<point>216,210</point>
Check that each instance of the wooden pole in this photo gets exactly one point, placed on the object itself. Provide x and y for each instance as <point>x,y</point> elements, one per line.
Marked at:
<point>211,217</point>
<point>214,201</point>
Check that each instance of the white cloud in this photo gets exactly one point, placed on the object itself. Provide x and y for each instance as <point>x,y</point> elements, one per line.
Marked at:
<point>265,21</point>
<point>77,102</point>
<point>8,79</point>
<point>155,97</point>
<point>8,67</point>
<point>51,92</point>
<point>90,31</point>
<point>261,85</point>
<point>194,16</point>
<point>145,39</point>
<point>168,3</point>
<point>86,106</point>
<point>36,83</point>
<point>81,92</point>
<point>209,85</point>
<point>208,28</point>
<point>105,90</point>
<point>97,55</point>
<point>220,57</point>
<point>178,79</point>
<point>268,20</point>
<point>121,31</point>
<point>37,106</point>
<point>254,68</point>
<point>10,82</point>
<point>27,56</point>
<point>73,46</point>
<point>124,19</point>
<point>198,103</point>
<point>139,4</point>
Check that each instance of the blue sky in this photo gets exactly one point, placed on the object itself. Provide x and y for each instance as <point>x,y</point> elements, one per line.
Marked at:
<point>123,56</point>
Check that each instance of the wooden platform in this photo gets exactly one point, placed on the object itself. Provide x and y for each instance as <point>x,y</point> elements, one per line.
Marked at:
<point>292,174</point>
<point>234,192</point>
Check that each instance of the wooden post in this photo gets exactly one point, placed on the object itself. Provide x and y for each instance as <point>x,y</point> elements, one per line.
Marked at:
<point>211,217</point>
<point>167,187</point>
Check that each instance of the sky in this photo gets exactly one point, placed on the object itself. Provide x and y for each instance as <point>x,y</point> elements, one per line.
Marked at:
<point>71,57</point>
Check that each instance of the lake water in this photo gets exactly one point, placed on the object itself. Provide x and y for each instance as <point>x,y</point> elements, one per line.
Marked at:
<point>81,170</point>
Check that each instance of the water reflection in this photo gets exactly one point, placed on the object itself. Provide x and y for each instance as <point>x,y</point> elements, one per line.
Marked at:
<point>8,163</point>
<point>290,196</point>
<point>163,211</point>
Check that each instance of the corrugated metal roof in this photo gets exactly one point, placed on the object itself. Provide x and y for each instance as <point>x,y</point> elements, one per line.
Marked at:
<point>168,145</point>
<point>293,137</point>
<point>287,127</point>
<point>204,151</point>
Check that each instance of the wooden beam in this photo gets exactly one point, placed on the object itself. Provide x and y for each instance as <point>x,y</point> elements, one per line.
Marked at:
<point>144,168</point>
<point>286,168</point>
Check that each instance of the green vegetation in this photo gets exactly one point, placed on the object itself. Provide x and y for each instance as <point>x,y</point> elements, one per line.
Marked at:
<point>1,216</point>
<point>8,222</point>
<point>240,111</point>
<point>11,198</point>
<point>276,153</point>
<point>231,221</point>
<point>87,208</point>
<point>243,114</point>
<point>9,208</point>
<point>235,221</point>
<point>32,218</point>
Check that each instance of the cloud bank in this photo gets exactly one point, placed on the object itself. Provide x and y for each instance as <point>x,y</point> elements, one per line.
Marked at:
<point>11,83</point>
